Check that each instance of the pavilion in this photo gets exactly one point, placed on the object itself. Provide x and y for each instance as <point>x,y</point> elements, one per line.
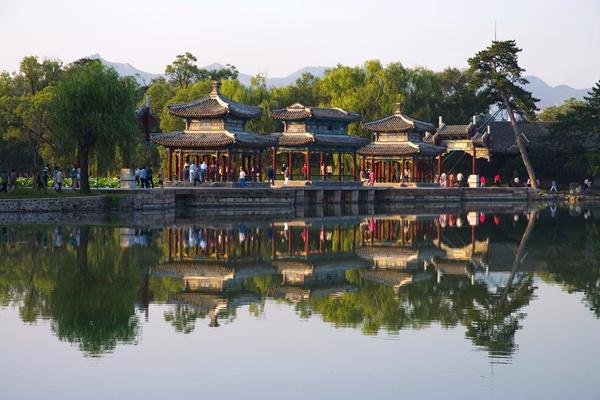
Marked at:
<point>214,132</point>
<point>310,130</point>
<point>466,139</point>
<point>398,152</point>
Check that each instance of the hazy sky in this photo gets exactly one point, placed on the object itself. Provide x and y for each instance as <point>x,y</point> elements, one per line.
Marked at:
<point>560,39</point>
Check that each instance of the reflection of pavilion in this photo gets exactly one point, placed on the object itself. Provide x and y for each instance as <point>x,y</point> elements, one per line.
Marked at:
<point>211,304</point>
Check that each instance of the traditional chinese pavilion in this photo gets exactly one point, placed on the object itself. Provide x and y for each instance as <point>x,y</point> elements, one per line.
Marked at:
<point>398,151</point>
<point>462,138</point>
<point>214,131</point>
<point>314,130</point>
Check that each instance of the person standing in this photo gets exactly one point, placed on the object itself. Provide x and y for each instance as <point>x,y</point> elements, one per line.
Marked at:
<point>451,180</point>
<point>285,173</point>
<point>443,180</point>
<point>516,181</point>
<point>59,180</point>
<point>497,179</point>
<point>73,175</point>
<point>482,181</point>
<point>137,178</point>
<point>459,179</point>
<point>242,178</point>
<point>203,169</point>
<point>322,171</point>
<point>305,171</point>
<point>271,175</point>
<point>192,176</point>
<point>371,177</point>
<point>46,175</point>
<point>212,171</point>
<point>553,187</point>
<point>587,185</point>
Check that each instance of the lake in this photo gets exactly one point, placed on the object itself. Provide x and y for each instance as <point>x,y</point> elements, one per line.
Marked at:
<point>426,305</point>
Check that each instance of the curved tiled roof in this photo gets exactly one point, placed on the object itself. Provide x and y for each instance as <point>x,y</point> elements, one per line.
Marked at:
<point>397,122</point>
<point>456,130</point>
<point>304,139</point>
<point>214,105</point>
<point>400,149</point>
<point>211,140</point>
<point>298,111</point>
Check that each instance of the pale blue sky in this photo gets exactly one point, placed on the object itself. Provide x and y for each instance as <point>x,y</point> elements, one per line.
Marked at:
<point>560,39</point>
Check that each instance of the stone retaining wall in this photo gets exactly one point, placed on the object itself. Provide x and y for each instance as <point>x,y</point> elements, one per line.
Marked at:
<point>449,195</point>
<point>56,204</point>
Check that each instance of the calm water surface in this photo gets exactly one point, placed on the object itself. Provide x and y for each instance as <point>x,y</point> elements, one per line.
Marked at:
<point>468,305</point>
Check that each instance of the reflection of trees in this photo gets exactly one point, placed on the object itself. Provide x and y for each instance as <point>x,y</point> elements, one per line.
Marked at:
<point>570,249</point>
<point>88,287</point>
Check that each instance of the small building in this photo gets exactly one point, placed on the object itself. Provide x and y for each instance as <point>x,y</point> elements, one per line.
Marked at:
<point>313,130</point>
<point>214,132</point>
<point>398,152</point>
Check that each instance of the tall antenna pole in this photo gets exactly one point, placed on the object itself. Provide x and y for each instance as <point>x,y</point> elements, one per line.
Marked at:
<point>495,37</point>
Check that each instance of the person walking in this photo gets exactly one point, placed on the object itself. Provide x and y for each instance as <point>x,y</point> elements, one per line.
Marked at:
<point>482,181</point>
<point>271,175</point>
<point>150,181</point>
<point>322,171</point>
<point>143,177</point>
<point>553,187</point>
<point>59,180</point>
<point>497,179</point>
<point>193,176</point>
<point>443,180</point>
<point>12,180</point>
<point>242,178</point>
<point>371,177</point>
<point>516,181</point>
<point>137,178</point>
<point>459,179</point>
<point>587,185</point>
<point>161,177</point>
<point>305,171</point>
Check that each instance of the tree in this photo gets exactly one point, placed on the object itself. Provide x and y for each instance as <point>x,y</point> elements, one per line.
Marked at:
<point>92,109</point>
<point>183,71</point>
<point>24,106</point>
<point>497,71</point>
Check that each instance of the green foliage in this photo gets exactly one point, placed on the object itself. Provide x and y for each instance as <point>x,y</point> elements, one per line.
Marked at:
<point>92,111</point>
<point>184,71</point>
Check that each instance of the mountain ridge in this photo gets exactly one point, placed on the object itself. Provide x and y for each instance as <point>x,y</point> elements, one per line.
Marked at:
<point>548,95</point>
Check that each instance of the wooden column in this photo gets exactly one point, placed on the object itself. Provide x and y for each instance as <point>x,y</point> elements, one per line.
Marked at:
<point>322,167</point>
<point>180,176</point>
<point>228,169</point>
<point>354,164</point>
<point>260,171</point>
<point>274,160</point>
<point>473,166</point>
<point>170,167</point>
<point>290,165</point>
<point>340,166</point>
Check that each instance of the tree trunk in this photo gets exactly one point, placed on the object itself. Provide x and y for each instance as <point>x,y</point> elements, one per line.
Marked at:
<point>84,160</point>
<point>519,141</point>
<point>519,255</point>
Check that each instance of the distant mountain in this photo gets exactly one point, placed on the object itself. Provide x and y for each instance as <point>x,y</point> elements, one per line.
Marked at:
<point>125,69</point>
<point>548,95</point>
<point>277,81</point>
<point>552,95</point>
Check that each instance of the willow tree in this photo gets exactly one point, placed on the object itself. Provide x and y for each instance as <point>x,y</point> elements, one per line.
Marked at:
<point>497,71</point>
<point>93,110</point>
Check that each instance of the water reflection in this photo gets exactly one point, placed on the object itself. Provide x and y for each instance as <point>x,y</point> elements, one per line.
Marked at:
<point>379,274</point>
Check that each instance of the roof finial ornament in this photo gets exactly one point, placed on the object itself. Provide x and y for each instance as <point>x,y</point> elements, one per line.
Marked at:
<point>214,88</point>
<point>397,109</point>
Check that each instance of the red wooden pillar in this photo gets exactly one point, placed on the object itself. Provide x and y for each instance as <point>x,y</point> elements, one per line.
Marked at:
<point>181,159</point>
<point>307,162</point>
<point>259,175</point>
<point>228,169</point>
<point>439,160</point>
<point>170,166</point>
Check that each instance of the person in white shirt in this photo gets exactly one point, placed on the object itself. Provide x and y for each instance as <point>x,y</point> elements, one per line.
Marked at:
<point>203,168</point>
<point>242,178</point>
<point>193,173</point>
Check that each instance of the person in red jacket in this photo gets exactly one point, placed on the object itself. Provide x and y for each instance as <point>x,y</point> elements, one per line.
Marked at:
<point>497,179</point>
<point>482,181</point>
